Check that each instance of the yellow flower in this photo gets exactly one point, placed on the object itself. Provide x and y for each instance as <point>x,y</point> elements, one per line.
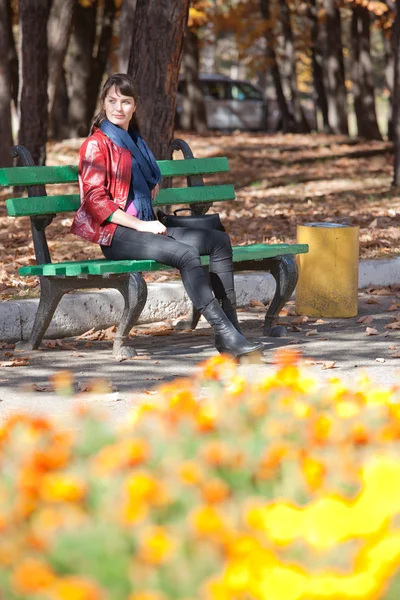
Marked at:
<point>347,409</point>
<point>381,558</point>
<point>237,386</point>
<point>314,472</point>
<point>122,454</point>
<point>31,576</point>
<point>280,521</point>
<point>332,586</point>
<point>59,487</point>
<point>326,522</point>
<point>190,473</point>
<point>156,546</point>
<point>281,583</point>
<point>141,491</point>
<point>146,596</point>
<point>208,522</point>
<point>217,367</point>
<point>380,498</point>
<point>378,397</point>
<point>75,588</point>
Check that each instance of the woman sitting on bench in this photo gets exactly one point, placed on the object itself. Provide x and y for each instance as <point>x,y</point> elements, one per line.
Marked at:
<point>118,179</point>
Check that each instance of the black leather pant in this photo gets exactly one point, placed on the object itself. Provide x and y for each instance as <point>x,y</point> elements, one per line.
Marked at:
<point>181,248</point>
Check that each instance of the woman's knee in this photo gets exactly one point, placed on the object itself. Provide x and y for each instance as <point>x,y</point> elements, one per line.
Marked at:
<point>191,256</point>
<point>221,240</point>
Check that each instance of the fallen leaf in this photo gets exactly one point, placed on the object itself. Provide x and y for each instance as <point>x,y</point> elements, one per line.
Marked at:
<point>151,392</point>
<point>394,325</point>
<point>396,355</point>
<point>15,362</point>
<point>381,292</point>
<point>320,322</point>
<point>393,306</point>
<point>365,319</point>
<point>312,332</point>
<point>109,334</point>
<point>258,303</point>
<point>142,357</point>
<point>380,360</point>
<point>371,331</point>
<point>52,343</point>
<point>300,320</point>
<point>328,364</point>
<point>371,301</point>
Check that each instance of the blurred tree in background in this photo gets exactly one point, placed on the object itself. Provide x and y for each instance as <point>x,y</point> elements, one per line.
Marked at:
<point>323,65</point>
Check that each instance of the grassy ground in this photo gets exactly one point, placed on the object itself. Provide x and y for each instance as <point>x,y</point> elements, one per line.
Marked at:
<point>280,181</point>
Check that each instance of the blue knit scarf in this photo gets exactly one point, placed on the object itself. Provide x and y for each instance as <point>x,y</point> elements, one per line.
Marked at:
<point>145,170</point>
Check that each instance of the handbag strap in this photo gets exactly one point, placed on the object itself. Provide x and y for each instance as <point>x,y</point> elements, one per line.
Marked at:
<point>181,209</point>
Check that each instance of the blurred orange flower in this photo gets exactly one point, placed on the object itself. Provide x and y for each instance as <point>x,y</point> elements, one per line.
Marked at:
<point>31,576</point>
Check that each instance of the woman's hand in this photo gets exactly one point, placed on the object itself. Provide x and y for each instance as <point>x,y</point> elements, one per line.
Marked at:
<point>154,191</point>
<point>153,227</point>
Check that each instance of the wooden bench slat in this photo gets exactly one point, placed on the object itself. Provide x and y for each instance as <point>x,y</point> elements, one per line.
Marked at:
<point>69,174</point>
<point>101,267</point>
<point>193,166</point>
<point>38,175</point>
<point>41,205</point>
<point>187,195</point>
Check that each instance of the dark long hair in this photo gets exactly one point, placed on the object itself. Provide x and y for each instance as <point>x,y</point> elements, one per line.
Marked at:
<point>126,86</point>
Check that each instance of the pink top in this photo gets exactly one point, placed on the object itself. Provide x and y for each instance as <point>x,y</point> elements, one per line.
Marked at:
<point>131,209</point>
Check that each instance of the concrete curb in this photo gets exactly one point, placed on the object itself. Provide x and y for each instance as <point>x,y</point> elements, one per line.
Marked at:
<point>80,312</point>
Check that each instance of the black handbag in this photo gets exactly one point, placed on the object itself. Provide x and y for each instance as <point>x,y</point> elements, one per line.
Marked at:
<point>196,221</point>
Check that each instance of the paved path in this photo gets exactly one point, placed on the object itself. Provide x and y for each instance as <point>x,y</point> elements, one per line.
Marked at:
<point>176,354</point>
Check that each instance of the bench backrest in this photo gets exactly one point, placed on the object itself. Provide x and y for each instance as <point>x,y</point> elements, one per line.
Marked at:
<point>50,204</point>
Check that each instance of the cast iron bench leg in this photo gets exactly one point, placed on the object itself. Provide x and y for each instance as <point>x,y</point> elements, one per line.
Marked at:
<point>134,291</point>
<point>285,273</point>
<point>50,295</point>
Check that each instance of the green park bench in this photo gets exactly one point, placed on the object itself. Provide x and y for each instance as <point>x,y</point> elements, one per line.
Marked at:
<point>56,279</point>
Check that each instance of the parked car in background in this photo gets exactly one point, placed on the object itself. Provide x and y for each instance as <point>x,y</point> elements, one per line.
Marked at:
<point>229,103</point>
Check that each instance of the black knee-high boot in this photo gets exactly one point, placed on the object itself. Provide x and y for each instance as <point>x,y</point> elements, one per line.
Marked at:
<point>228,340</point>
<point>228,305</point>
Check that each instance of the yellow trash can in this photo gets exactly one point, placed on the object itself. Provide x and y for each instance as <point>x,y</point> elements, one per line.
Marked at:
<point>328,273</point>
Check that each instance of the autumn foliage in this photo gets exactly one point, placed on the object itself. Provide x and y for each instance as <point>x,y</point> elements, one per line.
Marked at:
<point>223,488</point>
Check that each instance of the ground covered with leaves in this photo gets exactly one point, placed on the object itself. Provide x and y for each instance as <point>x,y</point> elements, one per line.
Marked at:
<point>280,180</point>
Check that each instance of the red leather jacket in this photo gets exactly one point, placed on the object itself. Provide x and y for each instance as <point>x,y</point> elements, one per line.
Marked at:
<point>105,172</point>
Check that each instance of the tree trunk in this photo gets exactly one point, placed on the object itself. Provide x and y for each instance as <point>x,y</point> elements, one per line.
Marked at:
<point>193,116</point>
<point>5,90</point>
<point>334,69</point>
<point>99,61</point>
<point>60,125</point>
<point>290,54</point>
<point>126,21</point>
<point>33,99</point>
<point>396,97</point>
<point>363,87</point>
<point>79,65</point>
<point>388,44</point>
<point>317,44</point>
<point>154,62</point>
<point>12,55</point>
<point>287,118</point>
<point>59,30</point>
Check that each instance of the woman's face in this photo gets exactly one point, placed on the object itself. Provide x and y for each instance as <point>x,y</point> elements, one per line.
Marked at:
<point>119,109</point>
